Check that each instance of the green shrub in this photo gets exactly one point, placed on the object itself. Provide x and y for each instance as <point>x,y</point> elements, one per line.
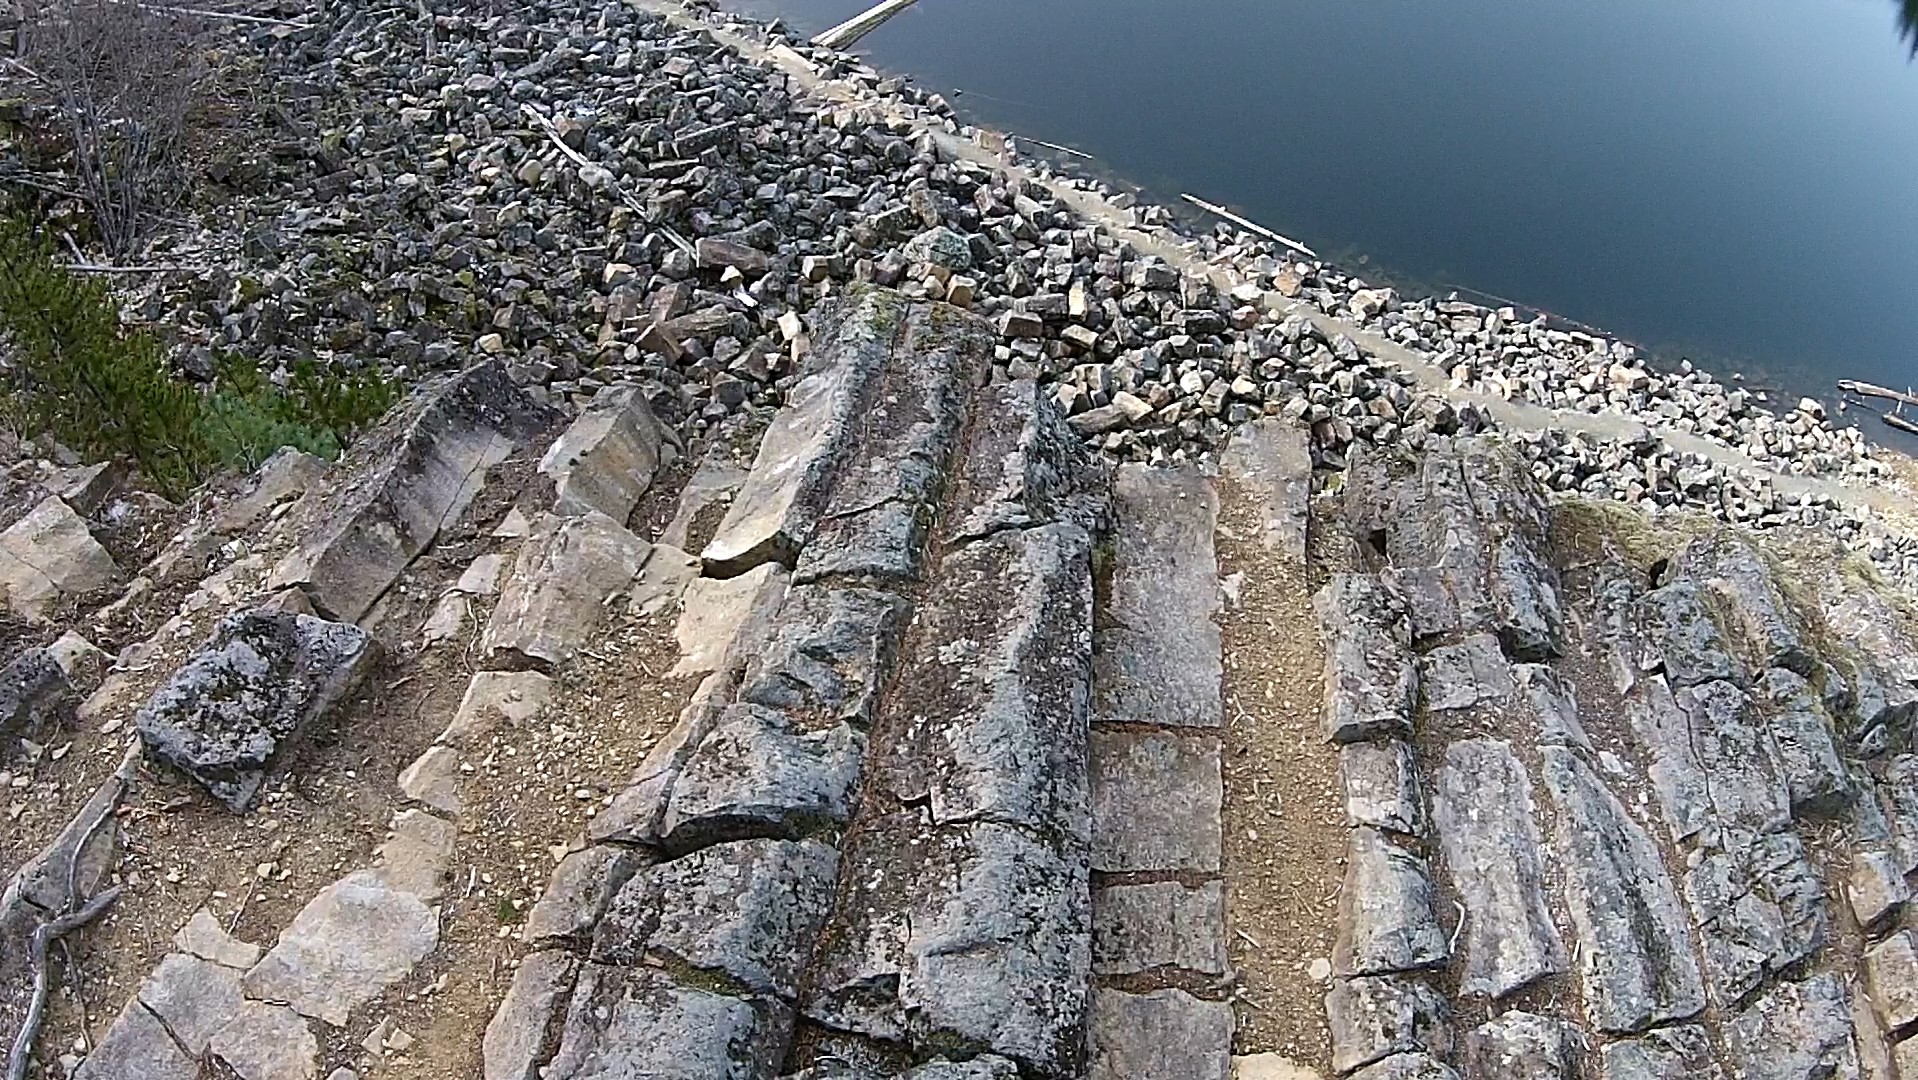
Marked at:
<point>79,375</point>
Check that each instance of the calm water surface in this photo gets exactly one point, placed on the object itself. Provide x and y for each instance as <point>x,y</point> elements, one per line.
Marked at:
<point>1729,179</point>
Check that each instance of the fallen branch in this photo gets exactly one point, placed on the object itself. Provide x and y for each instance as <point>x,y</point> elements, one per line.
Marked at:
<point>579,159</point>
<point>206,13</point>
<point>1215,208</point>
<point>150,268</point>
<point>43,939</point>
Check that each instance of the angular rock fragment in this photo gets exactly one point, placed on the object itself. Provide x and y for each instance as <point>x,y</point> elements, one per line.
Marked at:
<point>607,458</point>
<point>1737,754</point>
<point>753,775</point>
<point>1374,1018</point>
<point>1635,946</point>
<point>637,1022</point>
<point>1759,909</point>
<point>1371,683</point>
<point>1022,467</point>
<point>138,1047</point>
<point>1891,967</point>
<point>1164,1034</point>
<point>556,597</point>
<point>1524,1046</point>
<point>1795,1031</point>
<point>746,912</point>
<point>225,716</point>
<point>48,556</point>
<point>1164,924</point>
<point>1876,888</point>
<point>1488,830</point>
<point>1381,786</point>
<point>411,478</point>
<point>1683,1052</point>
<point>994,697</point>
<point>582,886</point>
<point>1771,628</point>
<point>1386,920</point>
<point>1158,659</point>
<point>1464,533</point>
<point>1664,732</point>
<point>267,1042</point>
<point>1407,1067</point>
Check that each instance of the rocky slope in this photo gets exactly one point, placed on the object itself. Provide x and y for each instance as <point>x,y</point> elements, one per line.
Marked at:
<point>902,739</point>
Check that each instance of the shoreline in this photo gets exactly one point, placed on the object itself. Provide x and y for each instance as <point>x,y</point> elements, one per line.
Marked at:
<point>488,237</point>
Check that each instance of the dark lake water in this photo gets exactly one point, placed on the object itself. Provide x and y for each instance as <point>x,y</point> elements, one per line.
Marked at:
<point>1734,180</point>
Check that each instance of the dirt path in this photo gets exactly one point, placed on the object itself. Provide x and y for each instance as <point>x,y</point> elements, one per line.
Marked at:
<point>1284,818</point>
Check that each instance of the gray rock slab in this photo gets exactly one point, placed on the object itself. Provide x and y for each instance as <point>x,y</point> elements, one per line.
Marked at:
<point>1676,623</point>
<point>194,998</point>
<point>747,911</point>
<point>1635,943</point>
<point>524,1030</point>
<point>1803,745</point>
<point>1382,787</point>
<point>1795,1031</point>
<point>862,444</point>
<point>1374,1018</point>
<point>725,622</point>
<point>1371,681</point>
<point>1156,802</point>
<point>1164,1034</point>
<point>495,700</point>
<point>224,717</point>
<point>1488,830</point>
<point>973,935</point>
<point>1770,626</point>
<point>264,1041</point>
<point>1759,909</point>
<point>1891,970</point>
<point>880,496</point>
<point>1471,673</point>
<point>754,775</point>
<point>992,694</point>
<point>1736,751</point>
<point>1407,1067</point>
<point>1157,657</point>
<point>830,652</point>
<point>1137,928</point>
<point>1269,462</point>
<point>138,1047</point>
<point>630,1022</point>
<point>1386,919</point>
<point>1683,1052</point>
<point>1898,793</point>
<point>1678,779</point>
<point>406,481</point>
<point>48,556</point>
<point>1553,707</point>
<point>556,596</point>
<point>415,855</point>
<point>1022,466</point>
<point>607,458</point>
<point>583,884</point>
<point>1524,1046</point>
<point>350,942</point>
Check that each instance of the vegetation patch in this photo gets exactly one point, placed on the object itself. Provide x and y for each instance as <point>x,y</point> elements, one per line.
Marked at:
<point>71,369</point>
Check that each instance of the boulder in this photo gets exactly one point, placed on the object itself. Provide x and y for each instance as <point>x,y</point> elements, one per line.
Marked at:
<point>48,556</point>
<point>608,457</point>
<point>225,716</point>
